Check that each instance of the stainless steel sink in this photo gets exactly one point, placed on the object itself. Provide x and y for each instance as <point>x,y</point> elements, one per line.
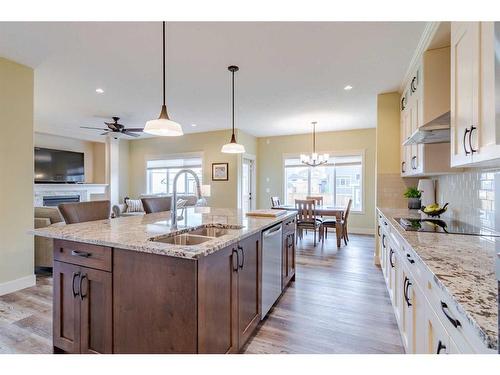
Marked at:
<point>183,239</point>
<point>209,232</point>
<point>197,236</point>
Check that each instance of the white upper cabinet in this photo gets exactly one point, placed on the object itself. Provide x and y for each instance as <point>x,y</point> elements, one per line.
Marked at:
<point>426,98</point>
<point>475,135</point>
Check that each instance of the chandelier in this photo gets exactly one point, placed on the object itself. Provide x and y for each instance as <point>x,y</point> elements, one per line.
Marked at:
<point>314,159</point>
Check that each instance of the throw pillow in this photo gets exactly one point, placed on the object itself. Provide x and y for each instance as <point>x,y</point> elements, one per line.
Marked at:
<point>134,205</point>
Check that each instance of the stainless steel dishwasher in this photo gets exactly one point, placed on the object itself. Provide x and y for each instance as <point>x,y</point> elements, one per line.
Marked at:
<point>271,267</point>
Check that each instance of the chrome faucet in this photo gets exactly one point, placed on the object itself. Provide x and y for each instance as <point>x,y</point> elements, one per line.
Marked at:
<point>200,202</point>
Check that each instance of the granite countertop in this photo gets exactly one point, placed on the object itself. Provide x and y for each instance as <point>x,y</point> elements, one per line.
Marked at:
<point>135,232</point>
<point>464,267</point>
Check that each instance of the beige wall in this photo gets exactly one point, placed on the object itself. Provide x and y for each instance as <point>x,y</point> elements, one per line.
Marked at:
<point>123,167</point>
<point>390,184</point>
<point>16,181</point>
<point>223,193</point>
<point>93,153</point>
<point>270,166</point>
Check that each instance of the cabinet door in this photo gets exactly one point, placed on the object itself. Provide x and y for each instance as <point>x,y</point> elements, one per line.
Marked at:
<point>218,301</point>
<point>438,340</point>
<point>419,309</point>
<point>96,311</point>
<point>248,287</point>
<point>288,260</point>
<point>66,313</point>
<point>406,322</point>
<point>465,56</point>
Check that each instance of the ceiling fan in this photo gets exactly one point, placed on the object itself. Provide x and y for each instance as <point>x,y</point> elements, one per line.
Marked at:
<point>116,128</point>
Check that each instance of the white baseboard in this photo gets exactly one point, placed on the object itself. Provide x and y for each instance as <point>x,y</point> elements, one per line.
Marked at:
<point>17,284</point>
<point>361,230</point>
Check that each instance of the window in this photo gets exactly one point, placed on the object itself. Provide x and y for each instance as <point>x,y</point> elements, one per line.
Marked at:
<point>337,181</point>
<point>161,174</point>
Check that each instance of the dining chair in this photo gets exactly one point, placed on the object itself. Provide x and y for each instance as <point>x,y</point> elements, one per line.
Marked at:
<point>318,199</point>
<point>80,212</point>
<point>332,223</point>
<point>156,204</point>
<point>275,202</point>
<point>306,217</point>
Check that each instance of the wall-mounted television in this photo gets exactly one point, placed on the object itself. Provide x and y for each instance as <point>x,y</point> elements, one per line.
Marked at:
<point>58,166</point>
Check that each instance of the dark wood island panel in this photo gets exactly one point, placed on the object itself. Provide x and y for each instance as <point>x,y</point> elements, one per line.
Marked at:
<point>154,304</point>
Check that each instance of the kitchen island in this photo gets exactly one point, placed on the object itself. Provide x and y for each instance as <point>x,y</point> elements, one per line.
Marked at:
<point>132,285</point>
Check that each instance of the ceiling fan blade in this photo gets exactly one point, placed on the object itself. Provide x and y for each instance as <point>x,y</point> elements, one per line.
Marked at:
<point>134,129</point>
<point>105,133</point>
<point>130,134</point>
<point>90,127</point>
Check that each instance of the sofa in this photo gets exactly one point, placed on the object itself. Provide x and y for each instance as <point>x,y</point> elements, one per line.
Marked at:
<point>122,208</point>
<point>44,247</point>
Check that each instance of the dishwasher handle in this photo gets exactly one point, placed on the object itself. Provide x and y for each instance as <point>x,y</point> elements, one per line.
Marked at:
<point>272,231</point>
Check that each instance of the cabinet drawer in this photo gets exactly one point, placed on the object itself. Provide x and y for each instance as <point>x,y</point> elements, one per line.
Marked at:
<point>82,254</point>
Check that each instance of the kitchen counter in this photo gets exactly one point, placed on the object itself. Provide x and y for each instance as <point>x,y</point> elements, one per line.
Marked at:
<point>135,232</point>
<point>464,267</point>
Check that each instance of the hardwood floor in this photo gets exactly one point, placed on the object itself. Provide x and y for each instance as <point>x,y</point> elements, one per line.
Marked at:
<point>338,304</point>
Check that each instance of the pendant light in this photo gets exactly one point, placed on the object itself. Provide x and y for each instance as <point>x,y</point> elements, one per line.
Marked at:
<point>163,126</point>
<point>314,159</point>
<point>233,147</point>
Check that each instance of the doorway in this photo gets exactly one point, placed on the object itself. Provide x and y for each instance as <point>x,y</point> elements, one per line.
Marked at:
<point>248,184</point>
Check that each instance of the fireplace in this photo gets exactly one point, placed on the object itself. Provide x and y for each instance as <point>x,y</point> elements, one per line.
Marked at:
<point>54,200</point>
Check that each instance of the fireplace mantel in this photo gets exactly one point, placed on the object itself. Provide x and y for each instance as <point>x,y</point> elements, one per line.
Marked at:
<point>87,192</point>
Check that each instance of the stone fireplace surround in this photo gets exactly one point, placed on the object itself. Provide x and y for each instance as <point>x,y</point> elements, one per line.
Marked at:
<point>86,192</point>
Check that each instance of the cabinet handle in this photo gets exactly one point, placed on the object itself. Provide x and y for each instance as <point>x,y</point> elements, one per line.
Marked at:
<point>472,128</point>
<point>83,277</point>
<point>408,256</point>
<point>456,323</point>
<point>75,293</point>
<point>467,130</point>
<point>242,257</point>
<point>412,84</point>
<point>440,347</point>
<point>383,241</point>
<point>391,253</point>
<point>403,106</point>
<point>403,164</point>
<point>378,230</point>
<point>235,268</point>
<point>81,254</point>
<point>407,284</point>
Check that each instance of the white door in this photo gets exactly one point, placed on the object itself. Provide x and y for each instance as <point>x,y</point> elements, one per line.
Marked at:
<point>247,185</point>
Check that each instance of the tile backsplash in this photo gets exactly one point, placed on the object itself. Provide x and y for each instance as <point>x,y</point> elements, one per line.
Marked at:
<point>473,196</point>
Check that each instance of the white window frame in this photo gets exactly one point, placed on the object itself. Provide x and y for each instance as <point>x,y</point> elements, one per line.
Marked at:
<point>360,152</point>
<point>187,155</point>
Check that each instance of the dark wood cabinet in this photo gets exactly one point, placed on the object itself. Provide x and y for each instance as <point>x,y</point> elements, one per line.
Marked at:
<point>288,258</point>
<point>82,309</point>
<point>248,287</point>
<point>229,296</point>
<point>218,302</point>
<point>66,309</point>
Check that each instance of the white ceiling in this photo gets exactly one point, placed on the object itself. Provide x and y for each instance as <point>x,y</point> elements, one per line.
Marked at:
<point>290,73</point>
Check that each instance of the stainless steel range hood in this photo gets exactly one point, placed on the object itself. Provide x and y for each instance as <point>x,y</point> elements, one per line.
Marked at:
<point>435,131</point>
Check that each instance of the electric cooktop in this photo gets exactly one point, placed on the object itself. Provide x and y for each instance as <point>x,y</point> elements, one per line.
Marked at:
<point>449,226</point>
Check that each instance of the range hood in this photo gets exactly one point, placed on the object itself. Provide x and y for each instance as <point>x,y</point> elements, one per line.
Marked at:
<point>435,131</point>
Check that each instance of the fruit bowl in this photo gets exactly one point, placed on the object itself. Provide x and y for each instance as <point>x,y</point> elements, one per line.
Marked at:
<point>435,213</point>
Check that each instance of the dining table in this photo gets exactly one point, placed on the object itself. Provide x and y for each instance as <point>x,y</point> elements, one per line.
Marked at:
<point>323,210</point>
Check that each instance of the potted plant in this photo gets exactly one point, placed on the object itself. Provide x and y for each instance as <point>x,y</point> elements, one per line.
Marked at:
<point>413,195</point>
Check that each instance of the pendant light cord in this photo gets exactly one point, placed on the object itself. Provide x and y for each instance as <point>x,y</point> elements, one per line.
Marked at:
<point>233,100</point>
<point>164,63</point>
<point>314,137</point>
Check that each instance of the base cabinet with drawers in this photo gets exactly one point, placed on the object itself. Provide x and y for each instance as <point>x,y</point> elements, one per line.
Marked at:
<point>288,256</point>
<point>427,317</point>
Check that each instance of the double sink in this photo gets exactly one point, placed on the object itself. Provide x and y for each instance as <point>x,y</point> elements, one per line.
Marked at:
<point>197,235</point>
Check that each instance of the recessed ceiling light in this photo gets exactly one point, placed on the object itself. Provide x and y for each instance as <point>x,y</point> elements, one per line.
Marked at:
<point>348,87</point>
<point>194,125</point>
<point>99,91</point>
